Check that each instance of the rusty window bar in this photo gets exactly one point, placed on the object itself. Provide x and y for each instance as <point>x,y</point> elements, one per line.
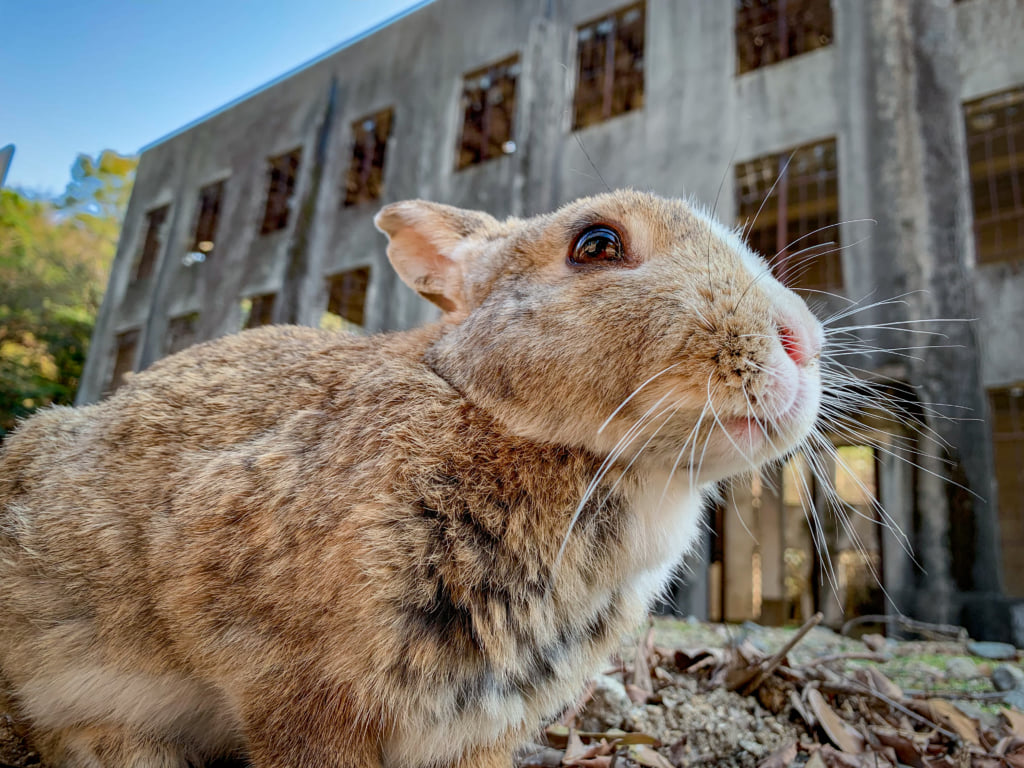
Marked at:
<point>804,199</point>
<point>146,261</point>
<point>610,66</point>
<point>182,332</point>
<point>770,31</point>
<point>207,218</point>
<point>282,173</point>
<point>995,146</point>
<point>124,359</point>
<point>488,113</point>
<point>364,180</point>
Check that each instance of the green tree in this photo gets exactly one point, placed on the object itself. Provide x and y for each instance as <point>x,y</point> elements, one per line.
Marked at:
<point>54,260</point>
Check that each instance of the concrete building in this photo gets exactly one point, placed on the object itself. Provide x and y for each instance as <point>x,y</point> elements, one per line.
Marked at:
<point>908,113</point>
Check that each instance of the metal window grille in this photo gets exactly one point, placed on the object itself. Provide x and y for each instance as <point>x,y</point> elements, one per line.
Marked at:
<point>258,310</point>
<point>769,31</point>
<point>182,332</point>
<point>207,216</point>
<point>488,113</point>
<point>346,295</point>
<point>145,262</point>
<point>995,154</point>
<point>124,359</point>
<point>1007,411</point>
<point>282,173</point>
<point>365,178</point>
<point>610,66</point>
<point>794,227</point>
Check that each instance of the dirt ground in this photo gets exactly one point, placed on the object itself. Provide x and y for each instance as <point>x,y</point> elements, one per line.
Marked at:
<point>744,696</point>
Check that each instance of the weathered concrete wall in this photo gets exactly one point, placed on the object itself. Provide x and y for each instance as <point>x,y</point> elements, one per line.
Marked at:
<point>991,57</point>
<point>698,119</point>
<point>868,90</point>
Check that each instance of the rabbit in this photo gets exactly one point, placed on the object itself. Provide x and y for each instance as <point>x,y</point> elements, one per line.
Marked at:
<point>403,550</point>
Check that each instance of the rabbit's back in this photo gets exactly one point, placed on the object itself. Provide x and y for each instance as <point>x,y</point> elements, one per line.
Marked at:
<point>109,515</point>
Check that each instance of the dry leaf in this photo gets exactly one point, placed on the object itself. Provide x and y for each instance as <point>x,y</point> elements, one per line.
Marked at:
<point>574,748</point>
<point>907,750</point>
<point>576,754</point>
<point>841,734</point>
<point>835,759</point>
<point>801,710</point>
<point>637,694</point>
<point>636,738</point>
<point>1015,720</point>
<point>557,735</point>
<point>678,752</point>
<point>966,728</point>
<point>815,762</point>
<point>883,684</point>
<point>644,755</point>
<point>780,758</point>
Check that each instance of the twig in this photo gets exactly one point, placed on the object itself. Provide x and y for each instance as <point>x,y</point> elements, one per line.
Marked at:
<point>957,695</point>
<point>924,628</point>
<point>853,688</point>
<point>769,666</point>
<point>858,655</point>
<point>641,663</point>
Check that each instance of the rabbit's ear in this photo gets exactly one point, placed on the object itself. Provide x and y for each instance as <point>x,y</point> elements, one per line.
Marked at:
<point>423,246</point>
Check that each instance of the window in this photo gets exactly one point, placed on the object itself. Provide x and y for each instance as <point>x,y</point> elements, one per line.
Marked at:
<point>258,310</point>
<point>488,109</point>
<point>182,332</point>
<point>281,177</point>
<point>995,154</point>
<point>346,300</point>
<point>124,359</point>
<point>610,66</point>
<point>1007,408</point>
<point>365,178</point>
<point>769,31</point>
<point>145,261</point>
<point>207,216</point>
<point>794,226</point>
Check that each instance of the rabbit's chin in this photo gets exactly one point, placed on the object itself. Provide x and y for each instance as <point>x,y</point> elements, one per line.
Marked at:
<point>740,444</point>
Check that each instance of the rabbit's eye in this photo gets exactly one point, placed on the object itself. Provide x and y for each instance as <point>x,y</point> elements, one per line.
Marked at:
<point>596,244</point>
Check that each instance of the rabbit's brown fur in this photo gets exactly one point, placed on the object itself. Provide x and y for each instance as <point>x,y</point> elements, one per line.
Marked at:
<point>330,550</point>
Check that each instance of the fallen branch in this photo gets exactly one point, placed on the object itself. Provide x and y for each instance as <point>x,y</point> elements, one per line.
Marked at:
<point>957,695</point>
<point>923,628</point>
<point>852,688</point>
<point>769,666</point>
<point>853,656</point>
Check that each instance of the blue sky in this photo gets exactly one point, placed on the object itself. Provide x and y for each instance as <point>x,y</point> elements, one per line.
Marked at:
<point>87,75</point>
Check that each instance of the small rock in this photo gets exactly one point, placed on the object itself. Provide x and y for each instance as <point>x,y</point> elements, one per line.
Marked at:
<point>874,643</point>
<point>537,756</point>
<point>990,650</point>
<point>1007,677</point>
<point>608,705</point>
<point>961,668</point>
<point>922,671</point>
<point>757,750</point>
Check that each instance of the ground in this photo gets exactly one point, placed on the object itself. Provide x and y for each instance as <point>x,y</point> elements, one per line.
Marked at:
<point>687,693</point>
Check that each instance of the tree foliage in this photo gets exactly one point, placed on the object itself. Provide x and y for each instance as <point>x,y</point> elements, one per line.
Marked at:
<point>54,260</point>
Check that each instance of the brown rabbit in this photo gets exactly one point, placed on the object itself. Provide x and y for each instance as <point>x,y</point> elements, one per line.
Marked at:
<point>399,550</point>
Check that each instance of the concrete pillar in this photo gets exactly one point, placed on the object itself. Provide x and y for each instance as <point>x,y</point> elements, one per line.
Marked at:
<point>772,533</point>
<point>740,548</point>
<point>913,139</point>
